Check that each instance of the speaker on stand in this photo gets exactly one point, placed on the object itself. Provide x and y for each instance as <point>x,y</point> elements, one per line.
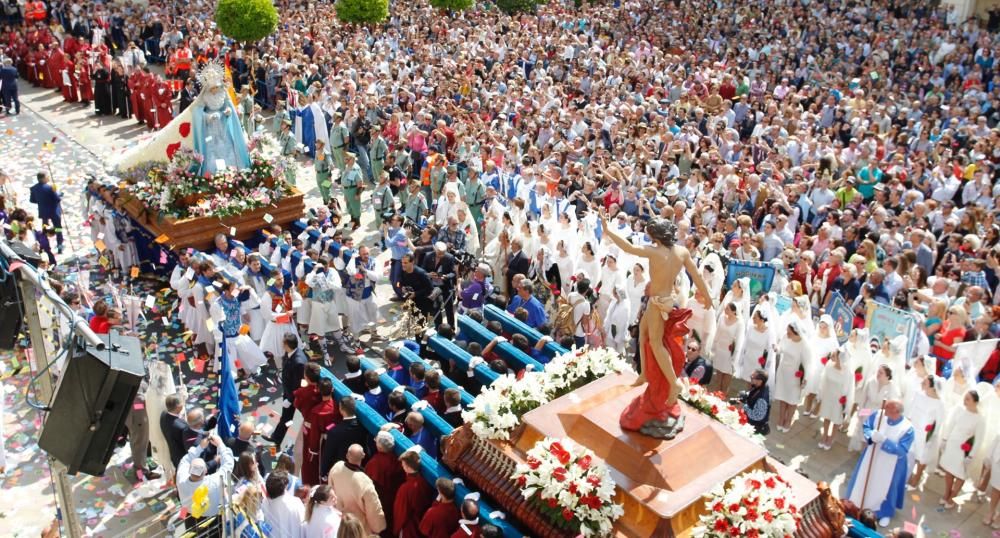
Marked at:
<point>92,403</point>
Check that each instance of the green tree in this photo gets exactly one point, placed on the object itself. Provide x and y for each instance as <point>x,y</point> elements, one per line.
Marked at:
<point>518,6</point>
<point>453,5</point>
<point>363,11</point>
<point>246,21</point>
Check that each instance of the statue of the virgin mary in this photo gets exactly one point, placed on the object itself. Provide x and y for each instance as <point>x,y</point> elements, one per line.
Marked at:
<point>217,133</point>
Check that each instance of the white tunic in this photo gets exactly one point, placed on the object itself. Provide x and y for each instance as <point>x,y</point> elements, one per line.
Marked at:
<point>727,345</point>
<point>836,385</point>
<point>285,514</point>
<point>755,345</point>
<point>925,413</point>
<point>324,523</point>
<point>962,426</point>
<point>788,383</point>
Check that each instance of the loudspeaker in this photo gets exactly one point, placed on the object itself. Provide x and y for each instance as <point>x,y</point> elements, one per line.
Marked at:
<point>11,318</point>
<point>92,403</point>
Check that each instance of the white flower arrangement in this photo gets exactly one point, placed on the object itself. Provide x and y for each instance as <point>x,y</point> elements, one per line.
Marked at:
<point>498,408</point>
<point>715,405</point>
<point>574,369</point>
<point>567,485</point>
<point>756,504</point>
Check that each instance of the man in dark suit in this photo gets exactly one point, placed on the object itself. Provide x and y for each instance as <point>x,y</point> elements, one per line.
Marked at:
<point>441,268</point>
<point>517,264</point>
<point>188,94</point>
<point>453,407</point>
<point>341,435</point>
<point>293,368</point>
<point>354,378</point>
<point>49,204</point>
<point>8,87</point>
<point>174,427</point>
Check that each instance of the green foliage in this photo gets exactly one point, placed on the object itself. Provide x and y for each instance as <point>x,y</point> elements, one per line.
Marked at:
<point>453,5</point>
<point>518,6</point>
<point>246,21</point>
<point>363,11</point>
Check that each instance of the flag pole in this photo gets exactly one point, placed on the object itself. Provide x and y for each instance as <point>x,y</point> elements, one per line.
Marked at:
<point>871,460</point>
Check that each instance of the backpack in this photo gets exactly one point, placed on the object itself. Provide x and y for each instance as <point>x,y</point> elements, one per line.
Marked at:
<point>563,323</point>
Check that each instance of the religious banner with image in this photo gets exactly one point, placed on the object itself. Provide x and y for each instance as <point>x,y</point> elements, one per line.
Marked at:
<point>843,316</point>
<point>974,354</point>
<point>760,274</point>
<point>884,321</point>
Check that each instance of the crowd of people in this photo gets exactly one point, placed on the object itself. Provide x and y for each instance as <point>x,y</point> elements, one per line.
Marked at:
<point>851,147</point>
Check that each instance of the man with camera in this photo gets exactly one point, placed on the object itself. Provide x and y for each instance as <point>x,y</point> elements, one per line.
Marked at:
<point>756,402</point>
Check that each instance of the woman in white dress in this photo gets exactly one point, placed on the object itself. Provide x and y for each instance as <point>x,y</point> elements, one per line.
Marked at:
<point>636,288</point>
<point>727,345</point>
<point>962,438</point>
<point>836,394</point>
<point>495,256</point>
<point>322,516</point>
<point>609,279</point>
<point>466,222</point>
<point>927,413</point>
<point>861,359</point>
<point>617,322</point>
<point>793,352</point>
<point>991,464</point>
<point>955,387</point>
<point>758,348</point>
<point>739,294</point>
<point>877,390</point>
<point>824,343</point>
<point>587,263</point>
<point>447,206</point>
<point>702,324</point>
<point>565,262</point>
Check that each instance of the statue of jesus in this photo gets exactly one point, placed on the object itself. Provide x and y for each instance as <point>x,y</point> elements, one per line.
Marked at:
<point>661,330</point>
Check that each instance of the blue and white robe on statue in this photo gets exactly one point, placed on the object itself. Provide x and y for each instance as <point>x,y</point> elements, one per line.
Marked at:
<point>887,482</point>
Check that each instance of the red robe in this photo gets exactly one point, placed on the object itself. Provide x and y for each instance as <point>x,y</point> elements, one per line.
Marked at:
<point>146,105</point>
<point>387,475</point>
<point>68,90</point>
<point>133,87</point>
<point>436,400</point>
<point>163,97</point>
<point>54,64</point>
<point>33,71</point>
<point>319,418</point>
<point>413,498</point>
<point>652,403</point>
<point>440,520</point>
<point>84,82</point>
<point>71,46</point>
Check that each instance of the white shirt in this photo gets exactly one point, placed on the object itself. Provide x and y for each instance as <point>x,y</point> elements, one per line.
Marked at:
<point>285,514</point>
<point>186,487</point>
<point>324,523</point>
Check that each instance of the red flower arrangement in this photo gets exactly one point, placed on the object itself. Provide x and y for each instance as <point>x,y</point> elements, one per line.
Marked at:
<point>859,375</point>
<point>930,430</point>
<point>824,360</point>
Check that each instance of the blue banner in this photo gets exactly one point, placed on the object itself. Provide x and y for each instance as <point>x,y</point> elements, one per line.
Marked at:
<point>760,274</point>
<point>843,316</point>
<point>884,321</point>
<point>229,399</point>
